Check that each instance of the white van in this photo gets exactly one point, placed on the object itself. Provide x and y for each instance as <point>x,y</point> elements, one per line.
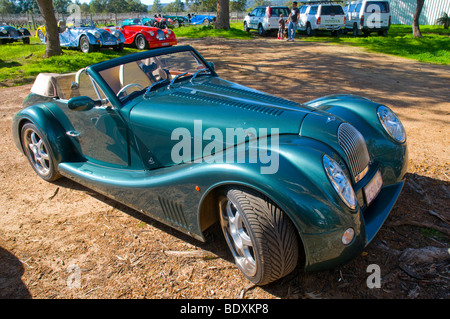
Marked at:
<point>366,16</point>
<point>265,18</point>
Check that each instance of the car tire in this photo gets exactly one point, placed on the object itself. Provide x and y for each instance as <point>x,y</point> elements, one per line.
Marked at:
<point>41,36</point>
<point>85,46</point>
<point>355,30</point>
<point>246,29</point>
<point>38,152</point>
<point>140,42</point>
<point>261,237</point>
<point>309,31</point>
<point>261,31</point>
<point>26,40</point>
<point>206,22</point>
<point>119,47</point>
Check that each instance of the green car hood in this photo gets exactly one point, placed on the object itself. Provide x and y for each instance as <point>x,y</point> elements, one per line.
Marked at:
<point>208,102</point>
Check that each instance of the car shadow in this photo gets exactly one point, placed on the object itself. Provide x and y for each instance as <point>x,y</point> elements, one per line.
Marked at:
<point>11,271</point>
<point>341,281</point>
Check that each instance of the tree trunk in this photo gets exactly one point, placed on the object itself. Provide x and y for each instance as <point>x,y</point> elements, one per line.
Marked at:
<point>51,27</point>
<point>415,26</point>
<point>223,15</point>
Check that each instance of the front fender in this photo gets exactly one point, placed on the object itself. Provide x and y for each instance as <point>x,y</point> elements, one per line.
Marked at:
<point>90,36</point>
<point>302,190</point>
<point>300,186</point>
<point>362,114</point>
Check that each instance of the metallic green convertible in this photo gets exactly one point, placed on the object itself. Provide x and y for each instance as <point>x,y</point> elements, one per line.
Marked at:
<point>290,184</point>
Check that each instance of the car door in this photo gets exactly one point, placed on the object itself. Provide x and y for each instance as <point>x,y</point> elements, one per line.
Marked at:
<point>100,133</point>
<point>252,21</point>
<point>303,18</point>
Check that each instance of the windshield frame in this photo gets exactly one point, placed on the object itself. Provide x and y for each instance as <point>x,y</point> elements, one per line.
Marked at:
<point>95,69</point>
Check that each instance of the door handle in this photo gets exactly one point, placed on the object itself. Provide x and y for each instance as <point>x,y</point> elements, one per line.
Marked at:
<point>73,133</point>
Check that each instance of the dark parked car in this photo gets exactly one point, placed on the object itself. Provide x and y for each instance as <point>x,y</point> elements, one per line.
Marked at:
<point>9,34</point>
<point>160,132</point>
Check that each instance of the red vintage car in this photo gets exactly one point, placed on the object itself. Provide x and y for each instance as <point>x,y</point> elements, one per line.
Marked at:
<point>143,36</point>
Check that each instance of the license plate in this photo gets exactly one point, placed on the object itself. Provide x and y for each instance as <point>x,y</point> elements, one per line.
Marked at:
<point>373,188</point>
<point>330,21</point>
<point>165,43</point>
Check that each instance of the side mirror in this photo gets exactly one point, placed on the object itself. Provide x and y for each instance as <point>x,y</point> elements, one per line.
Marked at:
<point>211,65</point>
<point>81,103</point>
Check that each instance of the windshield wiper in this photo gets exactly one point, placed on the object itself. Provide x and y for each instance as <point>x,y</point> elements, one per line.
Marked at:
<point>177,77</point>
<point>198,72</point>
<point>155,84</point>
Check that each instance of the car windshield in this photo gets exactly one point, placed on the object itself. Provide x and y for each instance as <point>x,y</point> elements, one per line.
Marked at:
<point>377,6</point>
<point>275,12</point>
<point>145,75</point>
<point>82,23</point>
<point>330,10</point>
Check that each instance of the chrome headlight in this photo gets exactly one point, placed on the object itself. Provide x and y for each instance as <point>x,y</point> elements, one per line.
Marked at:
<point>391,124</point>
<point>340,181</point>
<point>97,35</point>
<point>152,33</point>
<point>116,34</point>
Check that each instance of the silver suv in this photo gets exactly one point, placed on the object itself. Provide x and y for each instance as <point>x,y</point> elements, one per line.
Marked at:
<point>265,18</point>
<point>321,15</point>
<point>366,16</point>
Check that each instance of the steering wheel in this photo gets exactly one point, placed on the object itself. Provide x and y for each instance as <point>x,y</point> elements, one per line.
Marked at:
<point>126,87</point>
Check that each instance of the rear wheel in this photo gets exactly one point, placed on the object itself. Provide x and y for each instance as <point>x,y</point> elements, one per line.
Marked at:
<point>246,29</point>
<point>309,31</point>
<point>261,237</point>
<point>261,30</point>
<point>38,151</point>
<point>355,30</point>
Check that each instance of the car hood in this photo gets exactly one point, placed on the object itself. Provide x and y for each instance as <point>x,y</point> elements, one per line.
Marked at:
<point>210,103</point>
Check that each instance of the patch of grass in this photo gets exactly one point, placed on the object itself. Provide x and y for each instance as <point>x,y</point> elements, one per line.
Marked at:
<point>19,63</point>
<point>235,32</point>
<point>432,48</point>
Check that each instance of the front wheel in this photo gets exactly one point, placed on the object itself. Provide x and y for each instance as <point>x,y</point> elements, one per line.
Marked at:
<point>85,46</point>
<point>261,237</point>
<point>141,42</point>
<point>37,149</point>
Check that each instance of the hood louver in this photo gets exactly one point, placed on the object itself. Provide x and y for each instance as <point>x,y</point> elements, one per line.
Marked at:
<point>246,106</point>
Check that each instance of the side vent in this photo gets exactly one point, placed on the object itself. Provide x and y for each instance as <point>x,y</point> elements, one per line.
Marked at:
<point>173,211</point>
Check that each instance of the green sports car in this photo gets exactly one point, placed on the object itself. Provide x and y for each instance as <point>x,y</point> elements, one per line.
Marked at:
<point>159,131</point>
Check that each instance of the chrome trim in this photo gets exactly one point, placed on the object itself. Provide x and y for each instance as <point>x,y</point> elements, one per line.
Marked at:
<point>354,146</point>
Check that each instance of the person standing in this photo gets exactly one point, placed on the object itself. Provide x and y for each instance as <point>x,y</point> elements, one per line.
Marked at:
<point>281,27</point>
<point>293,20</point>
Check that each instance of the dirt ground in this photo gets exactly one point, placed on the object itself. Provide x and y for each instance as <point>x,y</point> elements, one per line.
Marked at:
<point>61,240</point>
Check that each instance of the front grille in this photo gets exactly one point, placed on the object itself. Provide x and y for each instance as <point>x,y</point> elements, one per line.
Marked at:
<point>160,35</point>
<point>354,146</point>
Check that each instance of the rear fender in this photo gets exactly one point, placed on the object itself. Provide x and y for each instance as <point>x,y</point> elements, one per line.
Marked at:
<point>49,126</point>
